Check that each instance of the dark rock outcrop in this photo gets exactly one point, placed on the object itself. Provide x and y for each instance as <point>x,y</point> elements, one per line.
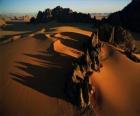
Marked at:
<point>114,34</point>
<point>33,20</point>
<point>43,17</point>
<point>129,17</point>
<point>61,15</point>
<point>104,32</point>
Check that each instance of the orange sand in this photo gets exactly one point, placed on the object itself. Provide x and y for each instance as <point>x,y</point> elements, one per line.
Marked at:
<point>117,85</point>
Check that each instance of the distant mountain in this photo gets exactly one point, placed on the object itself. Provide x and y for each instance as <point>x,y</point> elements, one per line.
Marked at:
<point>129,17</point>
<point>99,14</point>
<point>17,14</point>
<point>2,22</point>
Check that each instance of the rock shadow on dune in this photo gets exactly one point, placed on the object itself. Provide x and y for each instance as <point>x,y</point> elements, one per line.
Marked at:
<point>80,40</point>
<point>131,57</point>
<point>48,79</point>
<point>20,26</point>
<point>40,36</point>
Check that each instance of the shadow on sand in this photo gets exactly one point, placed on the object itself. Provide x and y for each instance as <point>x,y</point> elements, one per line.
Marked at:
<point>77,40</point>
<point>49,77</point>
<point>130,56</point>
<point>25,26</point>
<point>40,36</point>
<point>20,26</point>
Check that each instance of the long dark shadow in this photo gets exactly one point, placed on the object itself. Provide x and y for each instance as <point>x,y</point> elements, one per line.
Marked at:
<point>132,56</point>
<point>81,39</point>
<point>48,78</point>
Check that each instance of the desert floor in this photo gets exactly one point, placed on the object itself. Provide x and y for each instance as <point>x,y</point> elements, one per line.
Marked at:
<point>33,70</point>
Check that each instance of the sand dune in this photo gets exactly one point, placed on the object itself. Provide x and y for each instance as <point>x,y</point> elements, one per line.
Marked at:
<point>118,85</point>
<point>36,60</point>
<point>33,73</point>
<point>60,48</point>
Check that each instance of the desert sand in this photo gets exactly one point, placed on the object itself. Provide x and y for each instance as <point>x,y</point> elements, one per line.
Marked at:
<point>33,71</point>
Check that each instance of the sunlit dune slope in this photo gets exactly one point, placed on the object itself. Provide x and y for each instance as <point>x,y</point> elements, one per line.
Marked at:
<point>117,84</point>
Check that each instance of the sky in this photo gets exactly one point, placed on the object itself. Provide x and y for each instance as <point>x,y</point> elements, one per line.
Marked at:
<point>85,6</point>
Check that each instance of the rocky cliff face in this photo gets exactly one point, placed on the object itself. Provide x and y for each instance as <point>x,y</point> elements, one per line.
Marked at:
<point>129,17</point>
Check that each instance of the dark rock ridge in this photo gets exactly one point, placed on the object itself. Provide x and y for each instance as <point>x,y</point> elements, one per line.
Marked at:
<point>129,17</point>
<point>61,15</point>
<point>114,34</point>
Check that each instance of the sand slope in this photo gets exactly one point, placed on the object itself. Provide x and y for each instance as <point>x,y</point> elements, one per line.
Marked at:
<point>117,85</point>
<point>33,73</point>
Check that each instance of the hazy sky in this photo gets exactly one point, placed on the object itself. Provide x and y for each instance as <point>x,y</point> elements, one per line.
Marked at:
<point>87,6</point>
